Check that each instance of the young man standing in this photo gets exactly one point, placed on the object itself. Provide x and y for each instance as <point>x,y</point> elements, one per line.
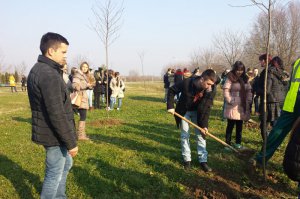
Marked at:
<point>194,104</point>
<point>52,114</point>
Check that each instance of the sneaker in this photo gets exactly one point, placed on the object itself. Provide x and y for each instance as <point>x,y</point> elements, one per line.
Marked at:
<point>187,165</point>
<point>118,109</point>
<point>238,146</point>
<point>205,167</point>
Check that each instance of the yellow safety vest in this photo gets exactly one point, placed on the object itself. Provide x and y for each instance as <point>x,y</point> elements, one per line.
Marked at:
<point>290,99</point>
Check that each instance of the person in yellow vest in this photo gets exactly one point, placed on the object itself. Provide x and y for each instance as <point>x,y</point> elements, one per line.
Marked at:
<point>289,114</point>
<point>12,83</point>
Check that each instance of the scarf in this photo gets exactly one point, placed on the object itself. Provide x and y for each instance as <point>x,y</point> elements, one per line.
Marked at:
<point>234,79</point>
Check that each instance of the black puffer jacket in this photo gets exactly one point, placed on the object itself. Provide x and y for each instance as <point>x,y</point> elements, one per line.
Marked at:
<point>185,103</point>
<point>52,114</point>
<point>291,161</point>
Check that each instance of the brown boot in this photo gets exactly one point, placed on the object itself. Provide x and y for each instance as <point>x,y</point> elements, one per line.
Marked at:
<point>81,131</point>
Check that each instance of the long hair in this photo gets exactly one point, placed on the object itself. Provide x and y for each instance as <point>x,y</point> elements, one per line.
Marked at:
<point>117,76</point>
<point>279,62</point>
<point>81,65</point>
<point>239,65</point>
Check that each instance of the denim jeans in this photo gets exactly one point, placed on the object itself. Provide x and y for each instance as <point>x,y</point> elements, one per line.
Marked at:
<point>58,163</point>
<point>185,142</point>
<point>119,102</point>
<point>112,102</point>
<point>90,97</point>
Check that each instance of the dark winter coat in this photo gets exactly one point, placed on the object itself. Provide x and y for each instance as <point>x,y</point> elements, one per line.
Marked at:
<point>185,103</point>
<point>291,161</point>
<point>52,114</point>
<point>23,81</point>
<point>99,88</point>
<point>178,77</point>
<point>255,85</point>
<point>166,81</point>
<point>275,85</point>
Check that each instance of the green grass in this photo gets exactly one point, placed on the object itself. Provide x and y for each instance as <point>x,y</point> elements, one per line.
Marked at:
<point>134,153</point>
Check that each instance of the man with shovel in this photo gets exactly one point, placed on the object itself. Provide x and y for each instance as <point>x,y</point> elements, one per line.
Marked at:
<point>194,104</point>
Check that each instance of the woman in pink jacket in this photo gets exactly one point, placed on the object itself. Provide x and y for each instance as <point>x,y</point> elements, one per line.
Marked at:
<point>238,96</point>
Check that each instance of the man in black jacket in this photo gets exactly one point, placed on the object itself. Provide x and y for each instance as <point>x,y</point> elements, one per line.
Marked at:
<point>194,104</point>
<point>52,115</point>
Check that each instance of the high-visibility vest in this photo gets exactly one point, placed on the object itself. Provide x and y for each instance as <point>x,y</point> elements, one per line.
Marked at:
<point>290,99</point>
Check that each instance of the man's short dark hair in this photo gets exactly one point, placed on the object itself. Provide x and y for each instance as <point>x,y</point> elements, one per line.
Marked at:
<point>51,40</point>
<point>209,74</point>
<point>264,57</point>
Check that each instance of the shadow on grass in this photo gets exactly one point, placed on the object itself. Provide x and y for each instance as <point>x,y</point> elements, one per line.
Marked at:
<point>197,181</point>
<point>116,182</point>
<point>21,119</point>
<point>131,144</point>
<point>146,98</point>
<point>19,177</point>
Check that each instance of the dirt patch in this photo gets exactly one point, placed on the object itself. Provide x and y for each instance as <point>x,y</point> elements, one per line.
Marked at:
<point>106,122</point>
<point>225,185</point>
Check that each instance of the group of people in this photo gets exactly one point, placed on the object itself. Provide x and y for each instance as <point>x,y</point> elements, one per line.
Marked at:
<point>173,76</point>
<point>92,86</point>
<point>53,124</point>
<point>13,86</point>
<point>241,88</point>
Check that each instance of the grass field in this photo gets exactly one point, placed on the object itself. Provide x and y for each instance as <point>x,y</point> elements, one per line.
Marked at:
<point>134,153</point>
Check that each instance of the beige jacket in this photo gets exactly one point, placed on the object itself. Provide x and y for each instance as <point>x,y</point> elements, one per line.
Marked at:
<point>80,84</point>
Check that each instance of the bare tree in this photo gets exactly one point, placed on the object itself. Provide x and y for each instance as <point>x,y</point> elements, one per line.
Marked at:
<point>22,68</point>
<point>284,37</point>
<point>230,44</point>
<point>268,9</point>
<point>196,59</point>
<point>141,56</point>
<point>205,58</point>
<point>77,60</point>
<point>107,25</point>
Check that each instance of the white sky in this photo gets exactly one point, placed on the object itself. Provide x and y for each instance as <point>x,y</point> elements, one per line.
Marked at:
<point>167,31</point>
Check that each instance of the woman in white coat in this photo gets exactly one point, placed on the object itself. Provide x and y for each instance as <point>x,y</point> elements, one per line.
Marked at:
<point>118,87</point>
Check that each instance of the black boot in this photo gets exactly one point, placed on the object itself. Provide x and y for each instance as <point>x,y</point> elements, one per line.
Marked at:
<point>205,167</point>
<point>187,165</point>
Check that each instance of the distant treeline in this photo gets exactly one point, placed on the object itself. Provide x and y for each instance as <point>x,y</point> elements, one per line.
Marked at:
<point>141,78</point>
<point>4,77</point>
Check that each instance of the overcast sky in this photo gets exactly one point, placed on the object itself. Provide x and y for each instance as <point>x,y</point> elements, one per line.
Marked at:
<point>167,31</point>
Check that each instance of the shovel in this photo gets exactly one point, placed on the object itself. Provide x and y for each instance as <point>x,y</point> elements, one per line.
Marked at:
<point>207,133</point>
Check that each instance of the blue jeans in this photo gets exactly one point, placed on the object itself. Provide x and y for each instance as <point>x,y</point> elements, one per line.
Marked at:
<point>58,163</point>
<point>112,102</point>
<point>185,142</point>
<point>90,97</point>
<point>119,102</point>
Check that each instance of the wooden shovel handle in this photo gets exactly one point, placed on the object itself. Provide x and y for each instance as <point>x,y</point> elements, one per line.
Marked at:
<point>207,133</point>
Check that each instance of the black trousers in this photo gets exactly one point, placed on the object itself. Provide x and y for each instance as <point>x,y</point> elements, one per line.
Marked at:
<point>97,99</point>
<point>82,114</point>
<point>229,129</point>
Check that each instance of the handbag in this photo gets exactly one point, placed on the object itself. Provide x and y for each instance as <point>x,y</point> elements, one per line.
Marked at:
<point>76,98</point>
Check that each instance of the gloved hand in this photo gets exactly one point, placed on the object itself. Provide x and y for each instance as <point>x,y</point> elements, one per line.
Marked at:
<point>172,111</point>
